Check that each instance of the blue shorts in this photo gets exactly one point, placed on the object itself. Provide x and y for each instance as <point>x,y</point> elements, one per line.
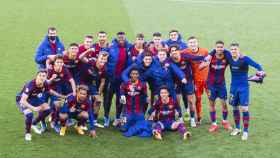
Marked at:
<point>92,89</point>
<point>239,96</point>
<point>64,109</point>
<point>217,91</point>
<point>63,89</point>
<point>34,101</point>
<point>187,89</point>
<point>166,125</point>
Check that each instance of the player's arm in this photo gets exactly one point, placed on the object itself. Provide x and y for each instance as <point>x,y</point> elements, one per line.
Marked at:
<point>178,72</point>
<point>82,56</point>
<point>91,122</point>
<point>122,93</point>
<point>53,92</point>
<point>254,64</point>
<point>192,57</point>
<point>73,86</point>
<point>101,86</point>
<point>125,73</point>
<point>24,102</point>
<point>178,111</point>
<point>40,58</point>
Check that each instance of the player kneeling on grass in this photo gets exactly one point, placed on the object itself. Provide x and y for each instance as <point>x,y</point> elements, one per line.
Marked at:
<point>134,98</point>
<point>34,98</point>
<point>78,107</point>
<point>164,112</point>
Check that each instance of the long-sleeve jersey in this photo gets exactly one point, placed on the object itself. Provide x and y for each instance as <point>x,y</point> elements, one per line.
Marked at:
<point>185,65</point>
<point>199,75</point>
<point>136,96</point>
<point>239,69</point>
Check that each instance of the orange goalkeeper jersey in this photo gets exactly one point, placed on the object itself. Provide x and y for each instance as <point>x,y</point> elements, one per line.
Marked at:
<point>198,75</point>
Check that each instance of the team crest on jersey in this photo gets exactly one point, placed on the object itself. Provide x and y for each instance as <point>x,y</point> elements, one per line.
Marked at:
<point>39,95</point>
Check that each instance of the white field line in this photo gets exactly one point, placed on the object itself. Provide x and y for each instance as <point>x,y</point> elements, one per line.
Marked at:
<point>229,2</point>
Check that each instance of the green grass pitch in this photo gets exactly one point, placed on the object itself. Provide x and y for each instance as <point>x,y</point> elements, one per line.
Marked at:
<point>253,23</point>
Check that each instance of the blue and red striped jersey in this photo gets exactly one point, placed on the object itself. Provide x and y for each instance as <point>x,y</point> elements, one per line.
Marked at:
<point>136,96</point>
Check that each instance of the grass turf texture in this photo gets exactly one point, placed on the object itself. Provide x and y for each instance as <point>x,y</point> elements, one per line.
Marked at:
<point>254,23</point>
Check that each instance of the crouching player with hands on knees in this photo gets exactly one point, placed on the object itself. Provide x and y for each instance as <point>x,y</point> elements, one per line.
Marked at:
<point>34,98</point>
<point>78,107</point>
<point>164,113</point>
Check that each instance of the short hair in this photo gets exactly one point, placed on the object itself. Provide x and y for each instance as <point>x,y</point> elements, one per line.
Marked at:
<point>174,46</point>
<point>73,45</point>
<point>58,57</point>
<point>156,34</point>
<point>103,53</point>
<point>120,33</point>
<point>191,38</point>
<point>234,44</point>
<point>102,32</point>
<point>162,50</point>
<point>164,87</point>
<point>220,42</point>
<point>171,31</point>
<point>140,35</point>
<point>82,87</point>
<point>42,71</point>
<point>134,68</point>
<point>89,36</point>
<point>148,53</point>
<point>51,29</point>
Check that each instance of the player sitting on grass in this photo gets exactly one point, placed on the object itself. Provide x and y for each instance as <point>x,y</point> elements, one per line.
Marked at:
<point>34,98</point>
<point>164,113</point>
<point>134,98</point>
<point>239,87</point>
<point>78,107</point>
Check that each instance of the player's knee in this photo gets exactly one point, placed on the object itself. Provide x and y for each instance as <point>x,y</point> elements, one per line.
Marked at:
<point>45,106</point>
<point>244,108</point>
<point>83,115</point>
<point>29,115</point>
<point>63,116</point>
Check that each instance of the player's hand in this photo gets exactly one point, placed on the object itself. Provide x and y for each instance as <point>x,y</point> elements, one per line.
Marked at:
<point>123,99</point>
<point>260,73</point>
<point>72,109</point>
<point>203,65</point>
<point>92,134</point>
<point>53,77</point>
<point>181,120</point>
<point>91,49</point>
<point>151,118</point>
<point>63,97</point>
<point>36,109</point>
<point>74,93</point>
<point>184,81</point>
<point>51,57</point>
